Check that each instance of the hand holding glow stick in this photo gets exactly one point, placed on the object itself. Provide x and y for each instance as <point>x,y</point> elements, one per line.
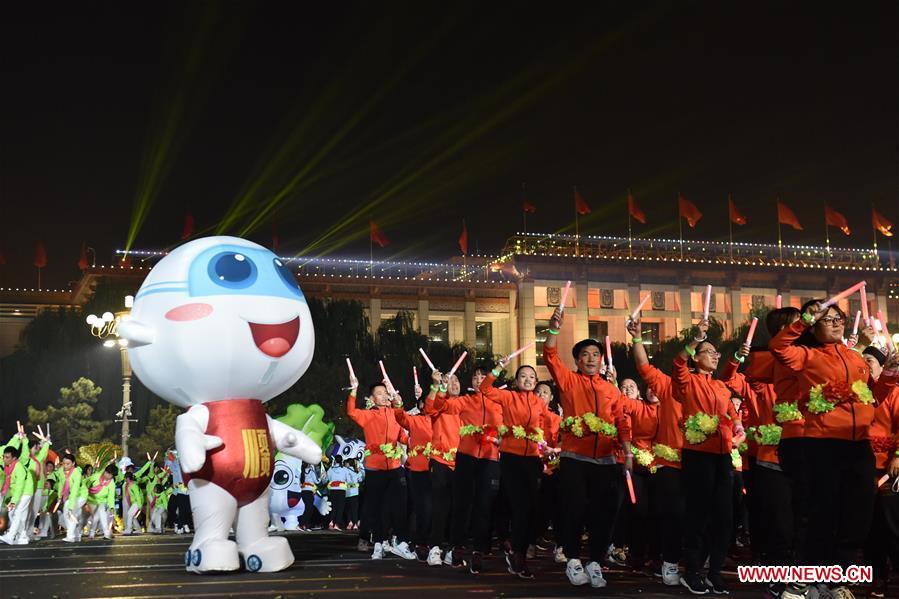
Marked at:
<point>630,486</point>
<point>708,301</point>
<point>564,296</point>
<point>457,364</point>
<point>883,479</point>
<point>609,350</point>
<point>518,351</point>
<point>640,307</point>
<point>427,359</point>
<point>751,332</point>
<point>387,382</point>
<point>843,295</point>
<point>886,332</point>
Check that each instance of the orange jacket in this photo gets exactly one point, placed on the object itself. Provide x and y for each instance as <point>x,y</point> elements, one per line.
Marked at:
<point>759,398</point>
<point>552,427</point>
<point>581,394</point>
<point>670,413</point>
<point>419,427</point>
<point>444,432</point>
<point>830,364</point>
<point>702,393</point>
<point>379,426</point>
<point>474,410</point>
<point>884,433</point>
<point>520,408</point>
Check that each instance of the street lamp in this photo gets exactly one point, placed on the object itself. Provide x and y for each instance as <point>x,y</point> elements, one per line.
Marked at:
<point>106,328</point>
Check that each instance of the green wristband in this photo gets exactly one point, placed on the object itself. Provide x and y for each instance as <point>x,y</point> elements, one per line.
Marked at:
<point>739,358</point>
<point>552,331</point>
<point>443,388</point>
<point>434,388</point>
<point>690,351</point>
<point>808,318</point>
<point>637,340</point>
<point>496,372</point>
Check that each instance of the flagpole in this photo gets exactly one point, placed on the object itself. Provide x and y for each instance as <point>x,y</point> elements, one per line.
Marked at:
<point>780,249</point>
<point>827,235</point>
<point>630,237</point>
<point>524,212</point>
<point>680,227</point>
<point>38,278</point>
<point>730,228</point>
<point>577,228</point>
<point>875,234</point>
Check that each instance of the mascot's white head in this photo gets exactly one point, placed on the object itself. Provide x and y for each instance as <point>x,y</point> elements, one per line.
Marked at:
<point>219,318</point>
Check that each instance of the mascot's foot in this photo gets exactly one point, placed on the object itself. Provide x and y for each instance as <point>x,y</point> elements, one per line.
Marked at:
<point>268,554</point>
<point>212,556</point>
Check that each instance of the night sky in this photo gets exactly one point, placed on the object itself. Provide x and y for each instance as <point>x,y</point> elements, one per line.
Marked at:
<point>314,116</point>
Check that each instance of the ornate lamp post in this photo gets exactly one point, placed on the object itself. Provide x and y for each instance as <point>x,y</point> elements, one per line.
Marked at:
<point>106,328</point>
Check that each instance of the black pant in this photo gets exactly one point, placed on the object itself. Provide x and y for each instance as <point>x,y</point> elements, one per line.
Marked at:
<point>790,455</point>
<point>841,499</point>
<point>442,502</point>
<point>522,483</point>
<point>420,484</point>
<point>475,486</point>
<point>741,516</point>
<point>308,497</point>
<point>773,515</point>
<point>338,506</point>
<point>643,537</point>
<point>882,547</point>
<point>386,489</point>
<point>590,491</point>
<point>708,482</point>
<point>352,509</point>
<point>179,510</point>
<point>548,508</point>
<point>666,498</point>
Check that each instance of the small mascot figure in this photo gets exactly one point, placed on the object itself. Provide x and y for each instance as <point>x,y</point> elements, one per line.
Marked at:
<point>220,326</point>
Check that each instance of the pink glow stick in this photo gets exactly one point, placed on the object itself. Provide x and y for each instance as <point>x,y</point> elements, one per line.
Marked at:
<point>640,307</point>
<point>503,386</point>
<point>858,317</point>
<point>427,359</point>
<point>457,364</point>
<point>518,351</point>
<point>390,386</point>
<point>415,376</point>
<point>844,294</point>
<point>630,486</point>
<point>864,300</point>
<point>778,301</point>
<point>564,296</point>
<point>708,301</point>
<point>886,332</point>
<point>350,366</point>
<point>883,479</point>
<point>609,349</point>
<point>751,332</point>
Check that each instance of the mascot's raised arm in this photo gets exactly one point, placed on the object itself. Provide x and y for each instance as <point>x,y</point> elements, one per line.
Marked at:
<point>219,327</point>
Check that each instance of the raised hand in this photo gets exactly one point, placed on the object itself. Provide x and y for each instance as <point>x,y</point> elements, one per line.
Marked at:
<point>556,320</point>
<point>633,327</point>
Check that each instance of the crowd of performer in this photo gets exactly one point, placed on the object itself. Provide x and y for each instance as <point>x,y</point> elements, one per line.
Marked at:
<point>789,450</point>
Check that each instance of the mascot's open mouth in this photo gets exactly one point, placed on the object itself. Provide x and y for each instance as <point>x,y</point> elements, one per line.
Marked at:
<point>275,340</point>
<point>293,498</point>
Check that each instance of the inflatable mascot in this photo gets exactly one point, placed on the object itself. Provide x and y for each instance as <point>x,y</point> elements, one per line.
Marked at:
<point>220,326</point>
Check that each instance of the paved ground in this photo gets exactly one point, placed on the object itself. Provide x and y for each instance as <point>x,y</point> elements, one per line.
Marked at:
<point>327,565</point>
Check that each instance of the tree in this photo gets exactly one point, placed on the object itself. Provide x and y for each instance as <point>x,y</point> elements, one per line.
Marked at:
<point>159,432</point>
<point>71,417</point>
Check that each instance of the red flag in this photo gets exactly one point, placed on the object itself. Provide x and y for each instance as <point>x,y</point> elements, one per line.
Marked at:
<point>527,207</point>
<point>463,239</point>
<point>688,210</point>
<point>82,259</point>
<point>376,235</point>
<point>580,205</point>
<point>634,210</point>
<point>189,225</point>
<point>785,216</point>
<point>881,223</point>
<point>835,219</point>
<point>735,216</point>
<point>40,255</point>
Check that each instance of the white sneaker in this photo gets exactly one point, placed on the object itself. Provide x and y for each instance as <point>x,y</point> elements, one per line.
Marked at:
<point>7,539</point>
<point>448,558</point>
<point>70,540</point>
<point>402,550</point>
<point>670,575</point>
<point>559,555</point>
<point>178,530</point>
<point>576,574</point>
<point>595,572</point>
<point>187,529</point>
<point>378,552</point>
<point>434,558</point>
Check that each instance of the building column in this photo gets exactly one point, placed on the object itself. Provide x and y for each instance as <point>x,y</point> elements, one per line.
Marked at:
<point>424,316</point>
<point>686,308</point>
<point>582,314</point>
<point>470,331</point>
<point>513,326</point>
<point>374,315</point>
<point>878,301</point>
<point>736,309</point>
<point>633,298</point>
<point>526,327</point>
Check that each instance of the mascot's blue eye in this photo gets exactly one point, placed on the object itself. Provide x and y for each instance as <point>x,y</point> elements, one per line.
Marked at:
<point>232,270</point>
<point>286,276</point>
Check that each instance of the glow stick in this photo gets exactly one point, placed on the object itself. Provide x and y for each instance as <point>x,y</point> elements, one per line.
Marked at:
<point>778,301</point>
<point>751,332</point>
<point>883,479</point>
<point>457,364</point>
<point>630,486</point>
<point>564,296</point>
<point>886,332</point>
<point>609,349</point>
<point>427,359</point>
<point>503,386</point>
<point>858,316</point>
<point>350,366</point>
<point>877,326</point>
<point>386,378</point>
<point>708,300</point>
<point>518,351</point>
<point>640,307</point>
<point>864,300</point>
<point>415,376</point>
<point>843,295</point>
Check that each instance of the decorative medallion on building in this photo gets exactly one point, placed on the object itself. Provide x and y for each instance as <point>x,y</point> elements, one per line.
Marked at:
<point>553,296</point>
<point>606,298</point>
<point>658,300</point>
